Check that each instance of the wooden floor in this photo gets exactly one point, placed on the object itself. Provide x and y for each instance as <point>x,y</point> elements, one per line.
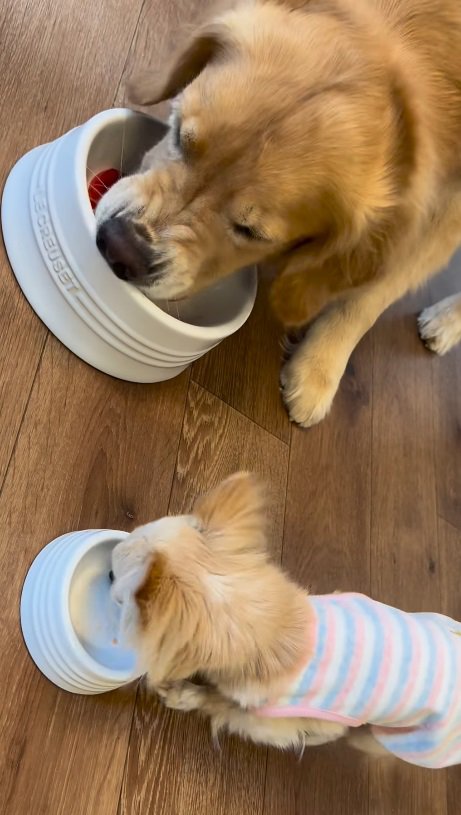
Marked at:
<point>368,501</point>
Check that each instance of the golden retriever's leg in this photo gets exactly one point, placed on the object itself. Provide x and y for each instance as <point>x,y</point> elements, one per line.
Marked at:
<point>227,715</point>
<point>440,325</point>
<point>310,378</point>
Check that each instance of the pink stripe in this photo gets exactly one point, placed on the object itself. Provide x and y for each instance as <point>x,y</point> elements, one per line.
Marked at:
<point>444,754</point>
<point>356,664</point>
<point>443,723</point>
<point>305,712</point>
<point>406,698</point>
<point>318,680</point>
<point>386,663</point>
<point>440,661</point>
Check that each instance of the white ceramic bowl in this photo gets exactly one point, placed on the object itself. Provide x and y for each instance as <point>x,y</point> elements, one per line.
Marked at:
<point>49,231</point>
<point>68,619</point>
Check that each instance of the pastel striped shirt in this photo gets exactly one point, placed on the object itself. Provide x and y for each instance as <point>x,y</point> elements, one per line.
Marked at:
<point>374,664</point>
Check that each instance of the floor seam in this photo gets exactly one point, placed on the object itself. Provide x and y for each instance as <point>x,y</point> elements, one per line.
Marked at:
<point>135,31</point>
<point>26,407</point>
<point>180,436</point>
<point>241,413</point>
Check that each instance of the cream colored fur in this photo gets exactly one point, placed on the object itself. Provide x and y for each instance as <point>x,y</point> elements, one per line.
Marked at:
<point>200,597</point>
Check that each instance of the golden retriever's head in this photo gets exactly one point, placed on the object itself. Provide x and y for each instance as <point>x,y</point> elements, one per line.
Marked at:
<point>275,148</point>
<point>198,593</point>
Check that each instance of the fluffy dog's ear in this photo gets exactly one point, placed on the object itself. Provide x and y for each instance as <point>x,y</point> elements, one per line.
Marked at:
<point>133,562</point>
<point>185,64</point>
<point>234,510</point>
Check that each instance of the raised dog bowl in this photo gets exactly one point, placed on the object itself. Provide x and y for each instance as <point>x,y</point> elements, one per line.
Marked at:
<point>69,621</point>
<point>49,231</point>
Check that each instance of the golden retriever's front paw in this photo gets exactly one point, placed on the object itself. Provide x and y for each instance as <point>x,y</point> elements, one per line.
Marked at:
<point>307,390</point>
<point>440,325</point>
<point>181,695</point>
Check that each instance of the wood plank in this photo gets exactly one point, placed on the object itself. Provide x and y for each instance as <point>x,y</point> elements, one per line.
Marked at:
<point>50,56</point>
<point>244,370</point>
<point>173,767</point>
<point>93,452</point>
<point>450,569</point>
<point>218,441</point>
<point>447,407</point>
<point>327,527</point>
<point>172,764</point>
<point>405,560</point>
<point>328,780</point>
<point>327,547</point>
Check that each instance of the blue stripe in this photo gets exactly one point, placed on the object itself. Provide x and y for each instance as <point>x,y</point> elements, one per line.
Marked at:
<point>419,741</point>
<point>422,740</point>
<point>405,661</point>
<point>311,670</point>
<point>367,609</point>
<point>422,700</point>
<point>349,648</point>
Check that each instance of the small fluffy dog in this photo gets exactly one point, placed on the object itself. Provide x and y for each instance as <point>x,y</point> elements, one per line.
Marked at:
<point>200,597</point>
<point>322,136</point>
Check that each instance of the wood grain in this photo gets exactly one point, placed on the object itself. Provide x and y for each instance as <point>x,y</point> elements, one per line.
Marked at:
<point>93,452</point>
<point>244,370</point>
<point>405,558</point>
<point>327,547</point>
<point>59,64</point>
<point>216,441</point>
<point>447,407</point>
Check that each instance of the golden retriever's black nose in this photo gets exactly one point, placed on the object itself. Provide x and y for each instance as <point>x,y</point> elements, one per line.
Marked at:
<point>126,252</point>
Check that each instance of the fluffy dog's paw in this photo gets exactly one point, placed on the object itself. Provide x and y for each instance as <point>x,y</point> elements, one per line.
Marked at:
<point>440,325</point>
<point>181,695</point>
<point>307,389</point>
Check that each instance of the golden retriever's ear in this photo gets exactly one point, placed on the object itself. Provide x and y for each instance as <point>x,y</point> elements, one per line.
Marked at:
<point>182,67</point>
<point>234,509</point>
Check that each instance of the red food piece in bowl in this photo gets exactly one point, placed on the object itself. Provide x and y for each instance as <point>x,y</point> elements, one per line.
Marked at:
<point>100,183</point>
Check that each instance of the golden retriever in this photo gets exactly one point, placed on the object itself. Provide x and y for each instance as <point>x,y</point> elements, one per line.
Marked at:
<point>199,596</point>
<point>321,136</point>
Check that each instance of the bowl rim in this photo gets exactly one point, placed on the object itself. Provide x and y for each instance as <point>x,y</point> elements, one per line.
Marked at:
<point>88,539</point>
<point>88,132</point>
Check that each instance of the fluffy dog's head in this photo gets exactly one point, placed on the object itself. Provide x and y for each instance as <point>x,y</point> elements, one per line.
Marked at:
<point>199,595</point>
<point>277,149</point>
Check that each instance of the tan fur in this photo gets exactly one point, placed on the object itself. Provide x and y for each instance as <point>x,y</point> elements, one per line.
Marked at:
<point>200,596</point>
<point>332,128</point>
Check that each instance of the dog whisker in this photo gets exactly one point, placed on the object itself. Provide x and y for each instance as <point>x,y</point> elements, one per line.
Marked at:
<point>94,175</point>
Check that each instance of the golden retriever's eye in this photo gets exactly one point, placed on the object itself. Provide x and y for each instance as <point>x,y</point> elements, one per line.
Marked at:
<point>247,232</point>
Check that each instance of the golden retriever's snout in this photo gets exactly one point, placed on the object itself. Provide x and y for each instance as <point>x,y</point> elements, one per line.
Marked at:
<point>128,253</point>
